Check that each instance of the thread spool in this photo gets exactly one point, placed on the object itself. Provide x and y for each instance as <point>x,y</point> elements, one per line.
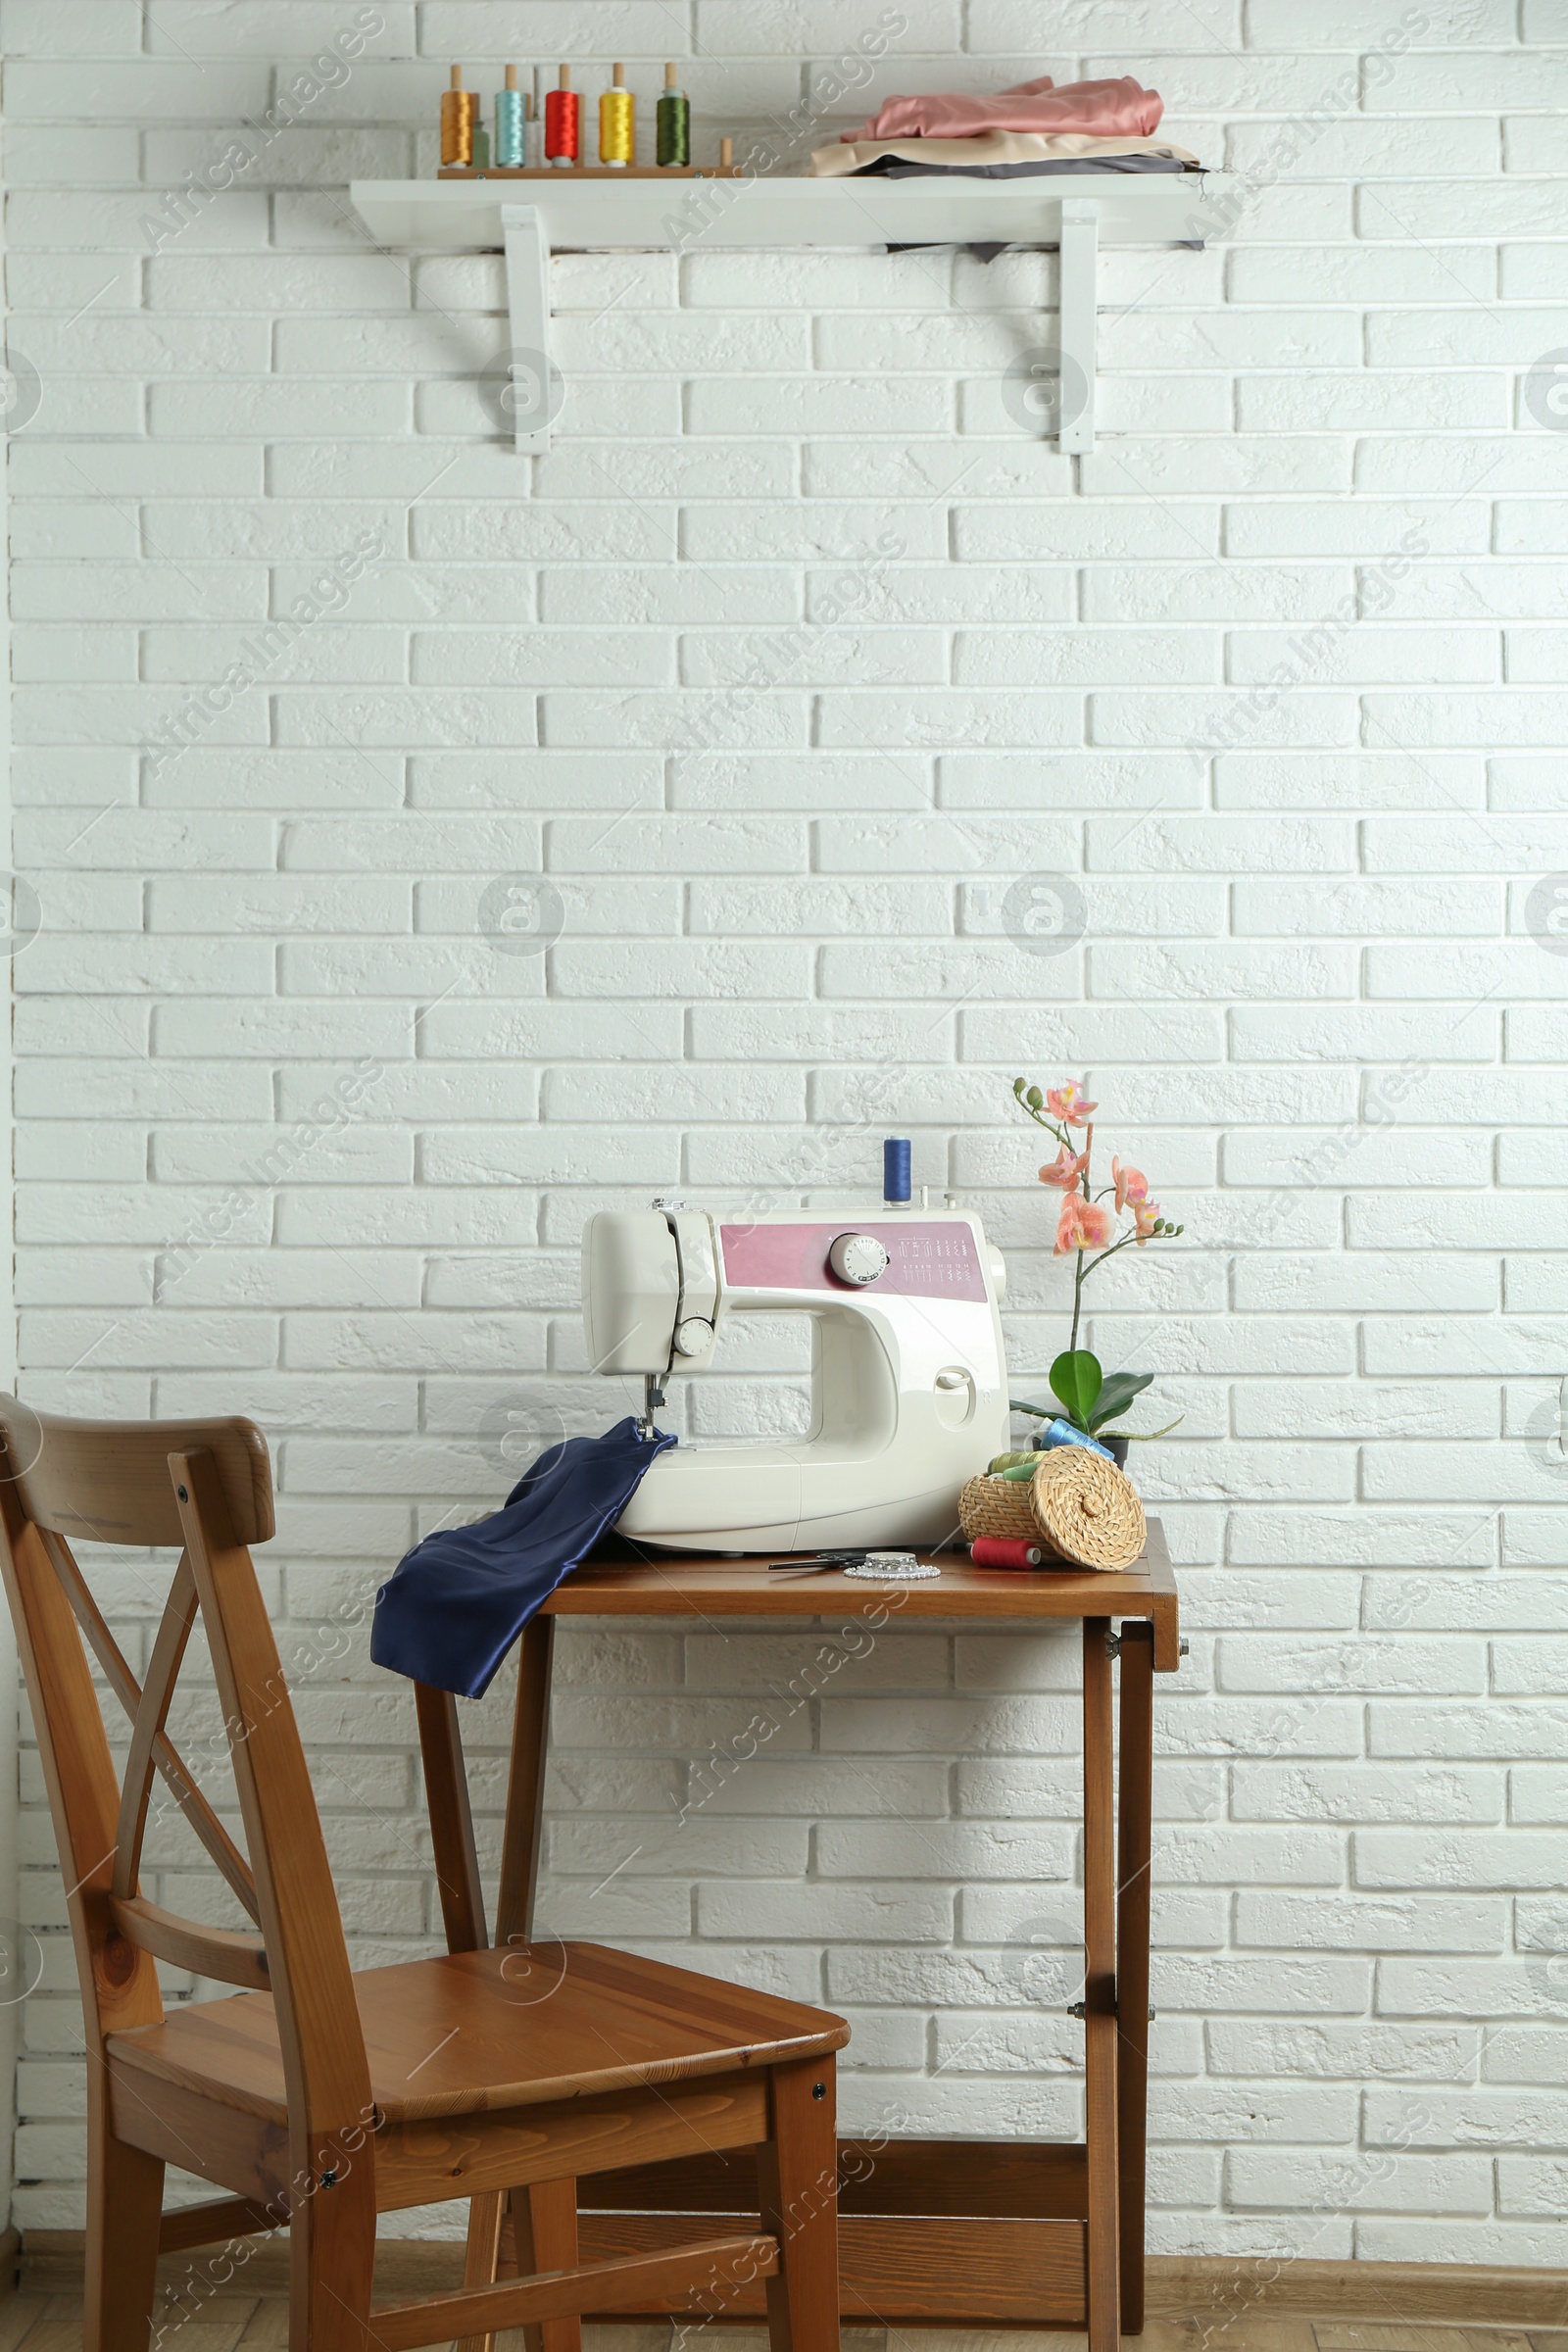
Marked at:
<point>1003,1551</point>
<point>562,123</point>
<point>896,1171</point>
<point>511,143</point>
<point>460,112</point>
<point>617,122</point>
<point>672,124</point>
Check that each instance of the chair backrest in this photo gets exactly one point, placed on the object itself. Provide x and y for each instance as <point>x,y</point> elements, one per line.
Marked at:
<point>206,1487</point>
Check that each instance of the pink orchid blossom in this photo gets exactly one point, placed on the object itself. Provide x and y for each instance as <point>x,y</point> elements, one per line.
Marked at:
<point>1146,1214</point>
<point>1131,1184</point>
<point>1067,1103</point>
<point>1082,1225</point>
<point>1065,1169</point>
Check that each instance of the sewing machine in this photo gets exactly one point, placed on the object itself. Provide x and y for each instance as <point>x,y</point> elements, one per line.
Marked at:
<point>908,1389</point>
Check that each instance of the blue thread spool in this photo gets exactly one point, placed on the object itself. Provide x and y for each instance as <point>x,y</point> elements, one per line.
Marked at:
<point>510,135</point>
<point>896,1171</point>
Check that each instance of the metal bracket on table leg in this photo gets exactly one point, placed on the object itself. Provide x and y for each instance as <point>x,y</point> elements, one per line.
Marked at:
<point>1080,254</point>
<point>528,396</point>
<point>1081,2008</point>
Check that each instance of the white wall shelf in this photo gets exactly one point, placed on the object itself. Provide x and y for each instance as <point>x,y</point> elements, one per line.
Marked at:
<point>529,217</point>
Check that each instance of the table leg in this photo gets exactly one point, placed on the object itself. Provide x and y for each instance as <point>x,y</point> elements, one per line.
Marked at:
<point>1134,1827</point>
<point>463,1915</point>
<point>1099,1990</point>
<point>456,1872</point>
<point>543,2218</point>
<point>446,1790</point>
<point>525,1784</point>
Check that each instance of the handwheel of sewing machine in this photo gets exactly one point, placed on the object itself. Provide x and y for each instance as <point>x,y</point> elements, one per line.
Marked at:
<point>1087,1509</point>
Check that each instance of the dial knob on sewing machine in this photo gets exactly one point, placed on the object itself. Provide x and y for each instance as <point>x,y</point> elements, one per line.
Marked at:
<point>693,1335</point>
<point>857,1259</point>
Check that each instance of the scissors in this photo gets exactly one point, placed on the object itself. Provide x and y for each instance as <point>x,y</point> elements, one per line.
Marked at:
<point>818,1564</point>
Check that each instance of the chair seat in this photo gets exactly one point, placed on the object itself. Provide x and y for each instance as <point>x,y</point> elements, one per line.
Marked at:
<point>475,2032</point>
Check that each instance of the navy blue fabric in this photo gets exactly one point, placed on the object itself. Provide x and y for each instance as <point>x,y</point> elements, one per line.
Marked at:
<point>451,1610</point>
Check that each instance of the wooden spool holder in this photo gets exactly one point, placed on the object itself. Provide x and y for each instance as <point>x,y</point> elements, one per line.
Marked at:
<point>593,172</point>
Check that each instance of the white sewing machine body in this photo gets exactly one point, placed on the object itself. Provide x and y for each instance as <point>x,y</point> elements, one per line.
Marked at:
<point>909,1387</point>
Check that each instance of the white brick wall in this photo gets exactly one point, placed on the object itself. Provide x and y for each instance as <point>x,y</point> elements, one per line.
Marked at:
<point>782,666</point>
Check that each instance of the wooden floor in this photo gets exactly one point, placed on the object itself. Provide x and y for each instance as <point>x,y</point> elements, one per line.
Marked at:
<point>35,2323</point>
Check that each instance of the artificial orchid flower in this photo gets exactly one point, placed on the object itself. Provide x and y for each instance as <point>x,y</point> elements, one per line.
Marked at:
<point>1145,1215</point>
<point>1067,1103</point>
<point>1131,1184</point>
<point>1082,1225</point>
<point>1065,1169</point>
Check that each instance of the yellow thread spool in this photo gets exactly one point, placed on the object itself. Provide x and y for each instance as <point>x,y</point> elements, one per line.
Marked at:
<point>460,112</point>
<point>617,122</point>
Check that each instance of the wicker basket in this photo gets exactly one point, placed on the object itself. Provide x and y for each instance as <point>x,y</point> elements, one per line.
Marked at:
<point>1077,1506</point>
<point>998,1506</point>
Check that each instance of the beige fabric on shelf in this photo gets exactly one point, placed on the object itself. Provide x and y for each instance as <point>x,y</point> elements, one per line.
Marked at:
<point>988,147</point>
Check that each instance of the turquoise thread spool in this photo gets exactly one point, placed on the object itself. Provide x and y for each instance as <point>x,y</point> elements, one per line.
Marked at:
<point>510,150</point>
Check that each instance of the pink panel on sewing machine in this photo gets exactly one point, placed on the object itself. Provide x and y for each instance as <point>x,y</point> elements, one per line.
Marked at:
<point>925,1260</point>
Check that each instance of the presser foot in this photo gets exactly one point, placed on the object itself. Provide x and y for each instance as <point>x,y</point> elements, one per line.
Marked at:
<point>653,1398</point>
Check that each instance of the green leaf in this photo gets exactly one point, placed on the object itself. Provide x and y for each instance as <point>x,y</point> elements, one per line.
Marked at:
<point>1117,1394</point>
<point>1076,1377</point>
<point>1040,1412</point>
<point>1141,1437</point>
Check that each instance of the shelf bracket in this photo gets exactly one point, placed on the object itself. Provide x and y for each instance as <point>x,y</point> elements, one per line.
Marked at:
<point>1080,255</point>
<point>527,395</point>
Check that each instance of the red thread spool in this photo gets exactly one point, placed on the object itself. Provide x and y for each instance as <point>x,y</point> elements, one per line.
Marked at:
<point>562,126</point>
<point>1003,1551</point>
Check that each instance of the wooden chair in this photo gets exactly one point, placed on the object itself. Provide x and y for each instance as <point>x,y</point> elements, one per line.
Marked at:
<point>317,2097</point>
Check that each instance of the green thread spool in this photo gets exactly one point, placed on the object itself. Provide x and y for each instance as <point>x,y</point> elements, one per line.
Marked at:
<point>673,123</point>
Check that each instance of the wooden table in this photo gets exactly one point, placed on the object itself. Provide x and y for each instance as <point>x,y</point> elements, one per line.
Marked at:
<point>941,2232</point>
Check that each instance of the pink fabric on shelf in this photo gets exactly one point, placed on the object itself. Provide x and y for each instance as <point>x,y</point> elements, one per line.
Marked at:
<point>1120,109</point>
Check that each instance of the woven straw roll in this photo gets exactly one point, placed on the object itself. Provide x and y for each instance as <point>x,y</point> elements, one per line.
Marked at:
<point>1078,1505</point>
<point>1087,1508</point>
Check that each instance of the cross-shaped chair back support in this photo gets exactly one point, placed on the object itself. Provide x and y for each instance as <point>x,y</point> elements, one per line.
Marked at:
<point>206,1487</point>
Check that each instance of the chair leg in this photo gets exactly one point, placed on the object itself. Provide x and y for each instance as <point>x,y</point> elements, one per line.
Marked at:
<point>482,2260</point>
<point>544,2238</point>
<point>796,2174</point>
<point>124,2201</point>
<point>331,2245</point>
<point>545,2219</point>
